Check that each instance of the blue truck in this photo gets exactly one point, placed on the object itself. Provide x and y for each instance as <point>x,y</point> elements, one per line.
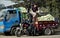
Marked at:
<point>11,20</point>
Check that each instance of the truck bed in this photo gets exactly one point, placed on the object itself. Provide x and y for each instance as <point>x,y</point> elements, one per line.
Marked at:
<point>47,24</point>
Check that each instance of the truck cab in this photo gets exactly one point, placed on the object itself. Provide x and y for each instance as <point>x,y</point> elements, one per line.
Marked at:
<point>1,21</point>
<point>11,19</point>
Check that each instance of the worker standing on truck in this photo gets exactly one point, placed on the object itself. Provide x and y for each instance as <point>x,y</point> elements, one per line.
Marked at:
<point>34,10</point>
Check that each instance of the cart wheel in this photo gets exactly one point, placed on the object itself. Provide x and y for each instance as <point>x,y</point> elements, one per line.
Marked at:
<point>18,33</point>
<point>47,31</point>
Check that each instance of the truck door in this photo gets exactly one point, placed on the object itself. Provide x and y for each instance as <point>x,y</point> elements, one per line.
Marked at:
<point>10,19</point>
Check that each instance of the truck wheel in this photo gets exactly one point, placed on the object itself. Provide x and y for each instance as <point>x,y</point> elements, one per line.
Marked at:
<point>53,31</point>
<point>13,31</point>
<point>18,33</point>
<point>47,31</point>
<point>27,32</point>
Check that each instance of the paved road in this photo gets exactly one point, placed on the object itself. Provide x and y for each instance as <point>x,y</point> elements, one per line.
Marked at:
<point>51,36</point>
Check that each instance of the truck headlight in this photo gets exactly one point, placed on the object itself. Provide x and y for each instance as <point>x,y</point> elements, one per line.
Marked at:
<point>2,27</point>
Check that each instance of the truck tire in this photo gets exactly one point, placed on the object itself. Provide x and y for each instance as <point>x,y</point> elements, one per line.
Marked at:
<point>27,33</point>
<point>18,33</point>
<point>53,31</point>
<point>47,31</point>
<point>13,31</point>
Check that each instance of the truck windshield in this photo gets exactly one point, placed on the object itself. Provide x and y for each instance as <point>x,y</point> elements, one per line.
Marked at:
<point>1,18</point>
<point>10,14</point>
<point>2,15</point>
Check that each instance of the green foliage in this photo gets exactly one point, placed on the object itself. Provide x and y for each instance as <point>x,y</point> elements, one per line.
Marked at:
<point>53,6</point>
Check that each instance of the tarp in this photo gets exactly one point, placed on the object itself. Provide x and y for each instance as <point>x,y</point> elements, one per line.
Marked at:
<point>47,17</point>
<point>22,9</point>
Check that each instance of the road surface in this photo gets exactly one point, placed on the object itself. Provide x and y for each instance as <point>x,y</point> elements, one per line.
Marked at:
<point>24,36</point>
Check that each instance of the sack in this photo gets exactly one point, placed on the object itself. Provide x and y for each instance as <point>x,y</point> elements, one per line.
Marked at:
<point>47,17</point>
